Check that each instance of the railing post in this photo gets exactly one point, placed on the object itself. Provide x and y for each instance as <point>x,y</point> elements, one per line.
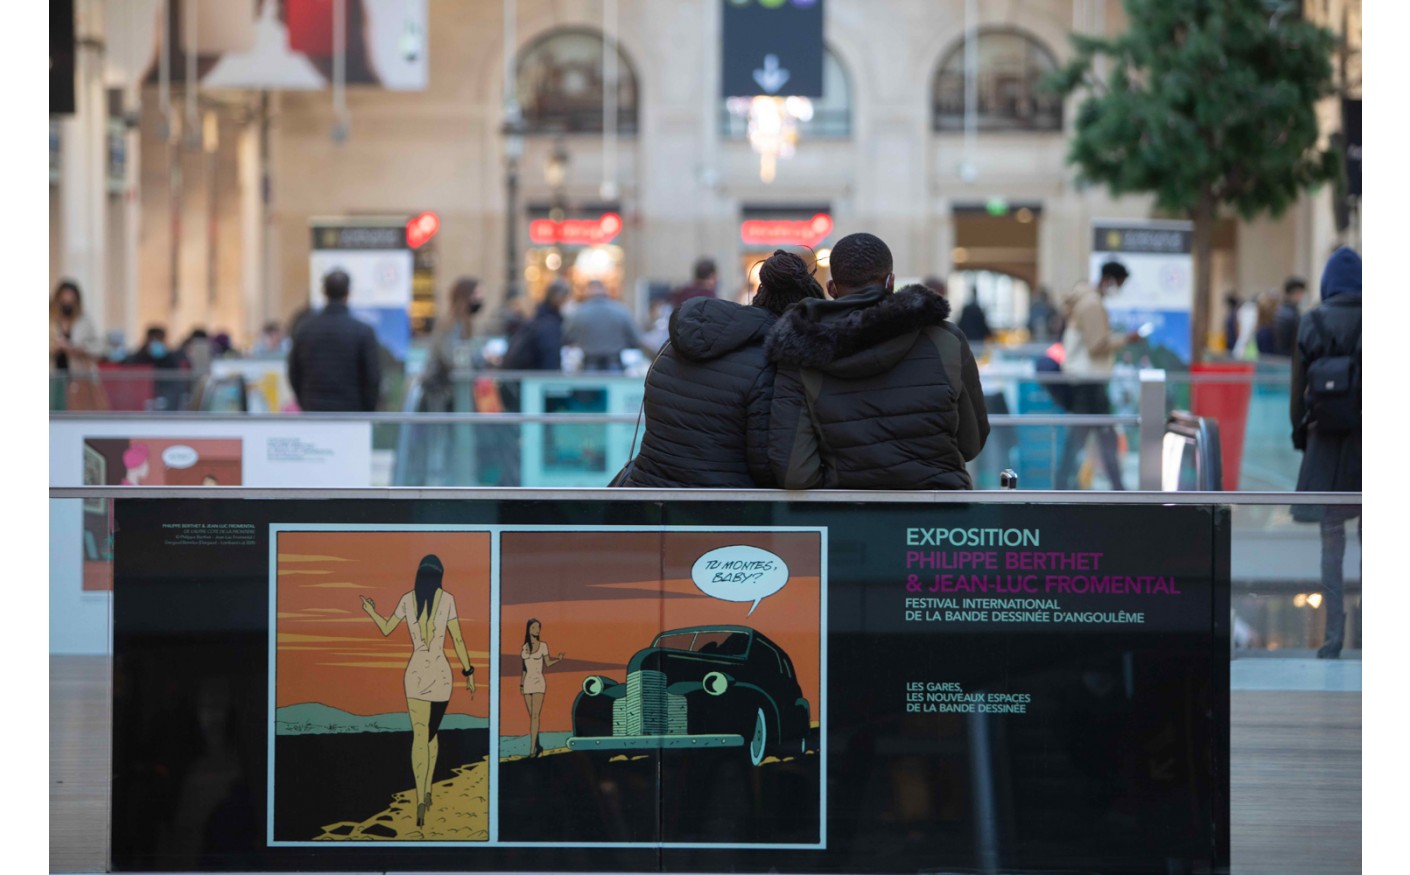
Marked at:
<point>1151,409</point>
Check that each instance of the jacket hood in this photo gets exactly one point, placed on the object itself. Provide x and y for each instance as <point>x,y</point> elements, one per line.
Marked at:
<point>863,334</point>
<point>707,328</point>
<point>1342,273</point>
<point>1068,302</point>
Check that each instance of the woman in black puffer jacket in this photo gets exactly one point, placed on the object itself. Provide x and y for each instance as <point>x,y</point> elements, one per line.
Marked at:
<point>709,392</point>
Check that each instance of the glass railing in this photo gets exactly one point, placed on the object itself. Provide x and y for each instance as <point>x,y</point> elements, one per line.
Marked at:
<point>1250,406</point>
<point>1285,701</point>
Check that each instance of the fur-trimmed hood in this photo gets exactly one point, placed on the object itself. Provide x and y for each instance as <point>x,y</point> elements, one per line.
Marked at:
<point>863,334</point>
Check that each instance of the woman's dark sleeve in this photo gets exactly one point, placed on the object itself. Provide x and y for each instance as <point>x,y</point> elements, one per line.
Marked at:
<point>1297,403</point>
<point>794,454</point>
<point>974,413</point>
<point>756,428</point>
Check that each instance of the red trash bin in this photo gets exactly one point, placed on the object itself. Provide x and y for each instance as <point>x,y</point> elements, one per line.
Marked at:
<point>1225,400</point>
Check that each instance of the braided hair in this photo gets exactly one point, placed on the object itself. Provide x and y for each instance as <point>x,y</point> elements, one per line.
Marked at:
<point>784,280</point>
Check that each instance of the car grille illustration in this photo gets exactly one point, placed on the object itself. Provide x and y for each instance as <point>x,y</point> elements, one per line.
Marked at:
<point>647,709</point>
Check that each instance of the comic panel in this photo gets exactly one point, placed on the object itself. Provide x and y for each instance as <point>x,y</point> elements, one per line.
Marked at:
<point>661,687</point>
<point>179,461</point>
<point>378,733</point>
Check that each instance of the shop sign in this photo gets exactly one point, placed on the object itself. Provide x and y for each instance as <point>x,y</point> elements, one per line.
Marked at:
<point>786,232</point>
<point>576,232</point>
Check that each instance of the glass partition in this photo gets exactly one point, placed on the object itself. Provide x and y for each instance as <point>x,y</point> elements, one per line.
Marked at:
<point>1291,565</point>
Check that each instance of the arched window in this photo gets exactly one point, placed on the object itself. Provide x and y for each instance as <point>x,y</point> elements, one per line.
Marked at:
<point>1010,66</point>
<point>832,113</point>
<point>560,86</point>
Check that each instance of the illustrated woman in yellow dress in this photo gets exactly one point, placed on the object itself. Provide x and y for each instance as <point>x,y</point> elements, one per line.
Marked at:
<point>430,612</point>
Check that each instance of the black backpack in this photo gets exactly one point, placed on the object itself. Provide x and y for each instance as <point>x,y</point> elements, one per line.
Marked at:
<point>1333,388</point>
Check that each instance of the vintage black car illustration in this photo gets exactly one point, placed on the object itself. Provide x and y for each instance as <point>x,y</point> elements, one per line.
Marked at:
<point>699,687</point>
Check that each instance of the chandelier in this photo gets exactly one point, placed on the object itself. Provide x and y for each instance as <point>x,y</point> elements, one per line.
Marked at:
<point>773,127</point>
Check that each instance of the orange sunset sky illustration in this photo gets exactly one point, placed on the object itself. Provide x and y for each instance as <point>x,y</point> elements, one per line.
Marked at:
<point>330,651</point>
<point>602,596</point>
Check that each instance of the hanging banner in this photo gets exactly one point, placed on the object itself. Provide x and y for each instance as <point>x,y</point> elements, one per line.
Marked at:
<point>528,686</point>
<point>772,48</point>
<point>287,45</point>
<point>1159,292</point>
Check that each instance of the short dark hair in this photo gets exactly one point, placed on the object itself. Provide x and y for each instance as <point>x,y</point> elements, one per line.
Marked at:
<point>860,259</point>
<point>155,332</point>
<point>1294,284</point>
<point>935,284</point>
<point>336,285</point>
<point>704,268</point>
<point>1115,270</point>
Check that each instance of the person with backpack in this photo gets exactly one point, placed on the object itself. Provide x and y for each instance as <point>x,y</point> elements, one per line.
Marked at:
<point>1326,422</point>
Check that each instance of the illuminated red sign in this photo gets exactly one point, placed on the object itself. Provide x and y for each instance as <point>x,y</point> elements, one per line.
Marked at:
<point>576,232</point>
<point>421,229</point>
<point>786,232</point>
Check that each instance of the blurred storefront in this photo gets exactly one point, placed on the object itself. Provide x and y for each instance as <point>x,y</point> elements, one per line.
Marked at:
<point>214,188</point>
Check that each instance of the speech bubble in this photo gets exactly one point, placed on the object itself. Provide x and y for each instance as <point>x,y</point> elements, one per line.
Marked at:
<point>739,574</point>
<point>179,456</point>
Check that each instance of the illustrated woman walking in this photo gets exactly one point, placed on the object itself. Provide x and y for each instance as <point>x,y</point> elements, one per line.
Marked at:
<point>531,680</point>
<point>430,612</point>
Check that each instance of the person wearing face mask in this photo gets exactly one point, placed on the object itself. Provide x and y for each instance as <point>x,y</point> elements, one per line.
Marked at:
<point>450,348</point>
<point>154,353</point>
<point>74,350</point>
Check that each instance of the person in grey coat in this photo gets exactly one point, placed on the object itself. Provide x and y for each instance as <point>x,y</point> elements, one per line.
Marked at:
<point>602,328</point>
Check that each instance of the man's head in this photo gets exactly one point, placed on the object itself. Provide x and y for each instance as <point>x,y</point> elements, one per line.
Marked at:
<point>336,286</point>
<point>936,285</point>
<point>704,272</point>
<point>1294,290</point>
<point>859,261</point>
<point>595,289</point>
<point>557,294</point>
<point>1113,277</point>
<point>155,333</point>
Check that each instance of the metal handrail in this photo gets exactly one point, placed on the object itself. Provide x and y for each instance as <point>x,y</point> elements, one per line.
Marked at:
<point>838,496</point>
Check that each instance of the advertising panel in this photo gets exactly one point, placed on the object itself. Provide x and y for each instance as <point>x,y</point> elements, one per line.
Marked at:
<point>379,263</point>
<point>671,686</point>
<point>1157,297</point>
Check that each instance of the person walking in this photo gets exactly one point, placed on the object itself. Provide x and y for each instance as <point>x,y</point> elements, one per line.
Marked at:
<point>334,364</point>
<point>1288,315</point>
<point>429,612</point>
<point>1089,347</point>
<point>538,344</point>
<point>1326,424</point>
<point>602,328</point>
<point>874,390</point>
<point>974,322</point>
<point>708,394</point>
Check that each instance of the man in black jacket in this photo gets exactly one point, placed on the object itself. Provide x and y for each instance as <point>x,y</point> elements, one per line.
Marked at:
<point>538,344</point>
<point>875,390</point>
<point>333,365</point>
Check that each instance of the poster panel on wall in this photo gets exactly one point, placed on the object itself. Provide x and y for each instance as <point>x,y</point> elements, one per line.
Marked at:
<point>379,263</point>
<point>526,685</point>
<point>1159,292</point>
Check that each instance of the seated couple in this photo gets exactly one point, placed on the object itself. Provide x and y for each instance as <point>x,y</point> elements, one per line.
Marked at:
<point>859,388</point>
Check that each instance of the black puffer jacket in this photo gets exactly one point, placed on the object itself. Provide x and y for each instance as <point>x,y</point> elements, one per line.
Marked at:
<point>707,401</point>
<point>334,364</point>
<point>862,399</point>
